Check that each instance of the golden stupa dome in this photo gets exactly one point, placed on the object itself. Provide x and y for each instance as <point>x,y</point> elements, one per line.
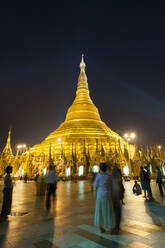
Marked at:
<point>82,120</point>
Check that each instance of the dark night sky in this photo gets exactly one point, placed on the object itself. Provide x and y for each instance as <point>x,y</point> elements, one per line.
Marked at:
<point>40,51</point>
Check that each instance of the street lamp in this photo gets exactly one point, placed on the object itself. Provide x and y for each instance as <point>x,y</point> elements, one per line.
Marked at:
<point>60,143</point>
<point>21,147</point>
<point>126,135</point>
<point>129,136</point>
<point>132,135</point>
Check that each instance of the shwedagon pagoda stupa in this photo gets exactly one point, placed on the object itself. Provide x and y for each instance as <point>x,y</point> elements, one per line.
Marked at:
<point>79,144</point>
<point>83,138</point>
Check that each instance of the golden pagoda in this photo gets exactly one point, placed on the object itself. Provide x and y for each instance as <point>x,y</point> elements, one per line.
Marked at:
<point>7,151</point>
<point>80,143</point>
<point>83,139</point>
<point>6,157</point>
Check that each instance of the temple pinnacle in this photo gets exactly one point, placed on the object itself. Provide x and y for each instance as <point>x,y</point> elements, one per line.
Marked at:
<point>7,148</point>
<point>82,64</point>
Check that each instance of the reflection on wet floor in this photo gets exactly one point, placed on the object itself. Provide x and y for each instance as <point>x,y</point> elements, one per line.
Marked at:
<point>69,223</point>
<point>81,190</point>
<point>18,213</point>
<point>68,188</point>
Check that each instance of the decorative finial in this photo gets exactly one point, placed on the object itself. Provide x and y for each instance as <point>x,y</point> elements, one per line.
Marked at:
<point>9,131</point>
<point>82,64</point>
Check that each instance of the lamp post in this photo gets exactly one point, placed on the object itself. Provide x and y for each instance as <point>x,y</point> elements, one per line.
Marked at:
<point>21,148</point>
<point>159,147</point>
<point>160,161</point>
<point>129,137</point>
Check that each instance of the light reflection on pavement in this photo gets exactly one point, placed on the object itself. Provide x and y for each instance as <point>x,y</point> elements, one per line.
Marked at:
<point>70,220</point>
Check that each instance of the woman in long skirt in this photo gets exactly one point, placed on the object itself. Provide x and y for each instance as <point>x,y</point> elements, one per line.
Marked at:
<point>104,212</point>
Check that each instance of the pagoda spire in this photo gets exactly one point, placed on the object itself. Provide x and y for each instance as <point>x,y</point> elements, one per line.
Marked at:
<point>82,79</point>
<point>82,93</point>
<point>82,107</point>
<point>7,149</point>
<point>82,64</point>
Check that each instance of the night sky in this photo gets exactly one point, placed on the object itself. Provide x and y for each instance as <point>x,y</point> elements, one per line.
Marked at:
<point>40,51</point>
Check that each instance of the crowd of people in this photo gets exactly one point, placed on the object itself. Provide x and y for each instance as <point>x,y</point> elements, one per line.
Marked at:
<point>51,180</point>
<point>145,181</point>
<point>109,193</point>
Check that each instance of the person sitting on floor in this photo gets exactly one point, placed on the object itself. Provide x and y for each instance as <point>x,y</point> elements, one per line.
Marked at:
<point>137,189</point>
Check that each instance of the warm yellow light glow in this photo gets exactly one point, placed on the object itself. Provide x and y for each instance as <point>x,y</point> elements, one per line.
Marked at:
<point>129,136</point>
<point>159,147</point>
<point>132,135</point>
<point>126,135</point>
<point>59,139</point>
<point>21,146</point>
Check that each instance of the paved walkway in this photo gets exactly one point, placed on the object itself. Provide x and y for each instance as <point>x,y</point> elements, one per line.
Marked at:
<point>69,223</point>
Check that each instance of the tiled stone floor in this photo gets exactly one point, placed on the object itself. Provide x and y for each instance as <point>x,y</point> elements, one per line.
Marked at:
<point>69,223</point>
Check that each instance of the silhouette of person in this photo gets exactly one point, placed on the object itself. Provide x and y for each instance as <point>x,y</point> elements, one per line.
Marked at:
<point>136,188</point>
<point>7,193</point>
<point>51,181</point>
<point>147,182</point>
<point>159,180</point>
<point>118,194</point>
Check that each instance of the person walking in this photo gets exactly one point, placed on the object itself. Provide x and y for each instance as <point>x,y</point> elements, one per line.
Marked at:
<point>159,180</point>
<point>7,194</point>
<point>104,213</point>
<point>118,194</point>
<point>51,181</point>
<point>142,180</point>
<point>147,182</point>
